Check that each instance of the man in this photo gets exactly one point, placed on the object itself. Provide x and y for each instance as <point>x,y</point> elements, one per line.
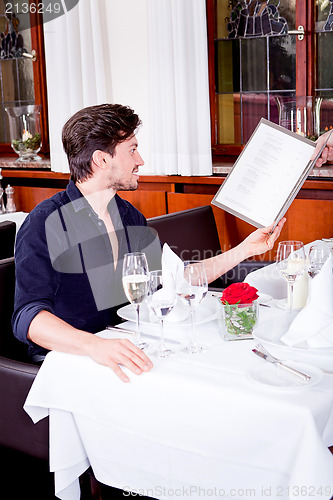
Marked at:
<point>69,249</point>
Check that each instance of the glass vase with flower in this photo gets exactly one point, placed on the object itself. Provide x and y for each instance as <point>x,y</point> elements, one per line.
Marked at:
<point>238,313</point>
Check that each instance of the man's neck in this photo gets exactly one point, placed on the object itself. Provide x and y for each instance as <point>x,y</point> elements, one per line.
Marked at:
<point>97,197</point>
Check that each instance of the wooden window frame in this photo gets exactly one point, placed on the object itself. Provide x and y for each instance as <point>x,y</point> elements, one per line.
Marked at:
<point>305,70</point>
<point>39,75</point>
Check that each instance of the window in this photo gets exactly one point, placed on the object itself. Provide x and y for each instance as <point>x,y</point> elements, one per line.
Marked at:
<point>269,58</point>
<point>22,81</point>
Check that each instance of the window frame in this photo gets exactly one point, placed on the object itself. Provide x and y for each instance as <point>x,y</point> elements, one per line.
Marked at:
<point>39,75</point>
<point>305,69</point>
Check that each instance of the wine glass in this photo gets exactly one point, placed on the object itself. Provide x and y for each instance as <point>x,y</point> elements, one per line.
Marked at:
<point>135,283</point>
<point>192,287</point>
<point>291,263</point>
<point>161,300</point>
<point>318,254</point>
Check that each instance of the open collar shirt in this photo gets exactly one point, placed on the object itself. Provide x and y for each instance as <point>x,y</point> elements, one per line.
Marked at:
<point>64,262</point>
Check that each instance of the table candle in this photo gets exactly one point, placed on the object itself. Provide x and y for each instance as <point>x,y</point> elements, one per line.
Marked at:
<point>300,290</point>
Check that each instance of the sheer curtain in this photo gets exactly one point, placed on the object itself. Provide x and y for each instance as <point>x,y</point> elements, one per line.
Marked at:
<point>180,116</point>
<point>76,52</point>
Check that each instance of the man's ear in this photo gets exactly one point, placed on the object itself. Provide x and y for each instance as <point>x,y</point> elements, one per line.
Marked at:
<point>99,158</point>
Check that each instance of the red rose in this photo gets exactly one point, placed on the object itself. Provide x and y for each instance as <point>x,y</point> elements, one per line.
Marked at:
<point>239,293</point>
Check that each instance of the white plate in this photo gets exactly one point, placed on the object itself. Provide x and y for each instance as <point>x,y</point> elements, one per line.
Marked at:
<point>302,347</point>
<point>206,311</point>
<point>264,298</point>
<point>273,376</point>
<point>321,357</point>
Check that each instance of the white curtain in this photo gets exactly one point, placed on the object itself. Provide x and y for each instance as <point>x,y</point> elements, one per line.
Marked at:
<point>76,53</point>
<point>180,116</point>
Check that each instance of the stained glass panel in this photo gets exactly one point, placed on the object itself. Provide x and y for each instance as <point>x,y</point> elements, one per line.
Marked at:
<point>254,64</point>
<point>282,62</point>
<point>324,15</point>
<point>254,107</point>
<point>227,63</point>
<point>325,66</point>
<point>229,118</point>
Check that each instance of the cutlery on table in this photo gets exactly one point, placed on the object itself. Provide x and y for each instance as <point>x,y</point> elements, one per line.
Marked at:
<point>120,329</point>
<point>263,353</point>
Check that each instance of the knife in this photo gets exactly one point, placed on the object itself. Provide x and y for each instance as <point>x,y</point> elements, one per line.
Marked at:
<point>271,359</point>
<point>119,329</point>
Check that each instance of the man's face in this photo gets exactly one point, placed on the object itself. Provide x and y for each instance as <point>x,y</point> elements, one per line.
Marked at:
<point>123,167</point>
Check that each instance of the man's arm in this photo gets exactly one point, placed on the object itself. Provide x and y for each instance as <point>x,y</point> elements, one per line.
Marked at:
<point>52,333</point>
<point>258,242</point>
<point>34,320</point>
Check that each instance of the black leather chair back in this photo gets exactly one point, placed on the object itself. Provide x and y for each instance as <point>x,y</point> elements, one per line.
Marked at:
<point>17,431</point>
<point>191,234</point>
<point>10,347</point>
<point>7,239</point>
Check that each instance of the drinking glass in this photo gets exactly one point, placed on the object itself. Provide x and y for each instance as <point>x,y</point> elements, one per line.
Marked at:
<point>161,300</point>
<point>291,263</point>
<point>318,254</point>
<point>192,287</point>
<point>135,283</point>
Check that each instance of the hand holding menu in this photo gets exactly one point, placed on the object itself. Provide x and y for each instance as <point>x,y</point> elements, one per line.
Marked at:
<point>267,175</point>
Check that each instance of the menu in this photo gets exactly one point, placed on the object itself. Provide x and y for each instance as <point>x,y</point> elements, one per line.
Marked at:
<point>267,175</point>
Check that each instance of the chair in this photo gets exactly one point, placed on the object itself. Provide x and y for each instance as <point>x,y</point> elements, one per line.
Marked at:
<point>192,235</point>
<point>7,239</point>
<point>23,444</point>
<point>17,431</point>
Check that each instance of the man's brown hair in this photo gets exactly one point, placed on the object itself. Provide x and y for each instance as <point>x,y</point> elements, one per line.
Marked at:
<point>96,127</point>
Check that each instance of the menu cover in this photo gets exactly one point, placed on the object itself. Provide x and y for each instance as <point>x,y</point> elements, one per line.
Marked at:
<point>267,175</point>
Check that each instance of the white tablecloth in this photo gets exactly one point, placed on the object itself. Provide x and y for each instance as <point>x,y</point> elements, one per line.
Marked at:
<point>193,427</point>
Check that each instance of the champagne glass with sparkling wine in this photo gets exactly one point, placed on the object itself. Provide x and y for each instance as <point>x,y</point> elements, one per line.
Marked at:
<point>135,283</point>
<point>291,263</point>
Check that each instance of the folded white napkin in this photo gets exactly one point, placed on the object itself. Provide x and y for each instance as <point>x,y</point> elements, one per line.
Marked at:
<point>172,263</point>
<point>314,323</point>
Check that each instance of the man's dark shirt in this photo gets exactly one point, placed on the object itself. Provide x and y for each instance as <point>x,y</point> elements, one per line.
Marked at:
<point>64,262</point>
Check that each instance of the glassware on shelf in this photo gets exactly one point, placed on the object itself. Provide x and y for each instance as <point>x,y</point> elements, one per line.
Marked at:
<point>25,132</point>
<point>192,287</point>
<point>135,283</point>
<point>161,300</point>
<point>291,263</point>
<point>300,114</point>
<point>11,207</point>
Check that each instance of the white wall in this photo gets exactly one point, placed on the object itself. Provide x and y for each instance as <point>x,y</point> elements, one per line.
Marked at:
<point>127,32</point>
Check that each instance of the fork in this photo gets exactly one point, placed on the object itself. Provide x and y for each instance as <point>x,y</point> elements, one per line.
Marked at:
<point>260,350</point>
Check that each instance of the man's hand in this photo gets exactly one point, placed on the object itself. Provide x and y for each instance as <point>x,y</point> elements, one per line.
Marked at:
<point>327,153</point>
<point>262,240</point>
<point>115,352</point>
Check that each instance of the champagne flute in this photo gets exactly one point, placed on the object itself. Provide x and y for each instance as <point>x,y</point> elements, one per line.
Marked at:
<point>161,300</point>
<point>135,283</point>
<point>318,254</point>
<point>192,287</point>
<point>291,263</point>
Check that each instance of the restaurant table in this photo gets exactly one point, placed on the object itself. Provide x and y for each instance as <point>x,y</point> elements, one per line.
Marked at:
<point>194,426</point>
